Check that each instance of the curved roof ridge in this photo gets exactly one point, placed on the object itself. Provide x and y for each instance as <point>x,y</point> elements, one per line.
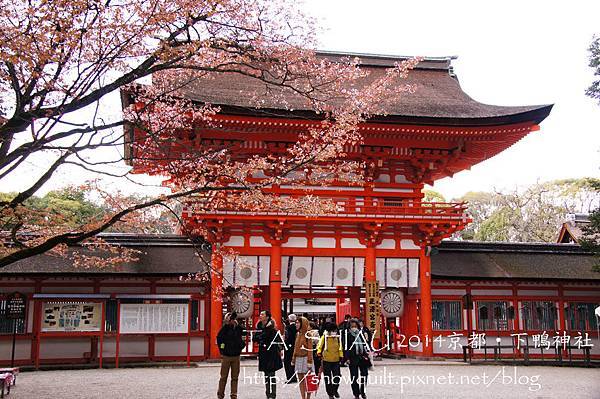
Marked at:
<point>438,100</point>
<point>388,60</point>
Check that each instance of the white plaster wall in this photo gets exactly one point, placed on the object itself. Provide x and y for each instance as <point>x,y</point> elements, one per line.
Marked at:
<point>323,242</point>
<point>447,283</point>
<point>393,190</point>
<point>400,179</point>
<point>581,293</point>
<point>197,346</point>
<point>64,348</point>
<point>109,347</point>
<point>258,241</point>
<point>201,314</point>
<point>30,309</point>
<point>408,244</point>
<point>491,292</point>
<point>383,178</point>
<point>387,243</point>
<point>235,241</point>
<point>444,291</point>
<point>296,242</point>
<point>170,346</point>
<point>128,347</point>
<point>538,292</point>
<point>22,349</point>
<point>351,243</point>
<point>133,347</point>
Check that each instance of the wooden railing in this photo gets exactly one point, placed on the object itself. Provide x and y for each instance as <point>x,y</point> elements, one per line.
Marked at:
<point>380,207</point>
<point>365,208</point>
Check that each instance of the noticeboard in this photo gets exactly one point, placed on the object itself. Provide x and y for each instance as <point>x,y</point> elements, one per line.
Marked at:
<point>142,318</point>
<point>71,316</point>
<point>16,305</point>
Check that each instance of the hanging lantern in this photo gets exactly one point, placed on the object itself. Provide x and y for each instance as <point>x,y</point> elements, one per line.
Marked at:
<point>242,301</point>
<point>392,302</point>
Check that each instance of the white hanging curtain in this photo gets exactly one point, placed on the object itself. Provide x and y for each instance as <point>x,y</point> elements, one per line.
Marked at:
<point>300,272</point>
<point>413,273</point>
<point>246,271</point>
<point>322,271</point>
<point>344,271</point>
<point>398,272</point>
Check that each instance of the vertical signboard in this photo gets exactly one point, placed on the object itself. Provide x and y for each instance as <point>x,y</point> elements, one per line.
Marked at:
<point>373,307</point>
<point>15,306</point>
<point>15,310</point>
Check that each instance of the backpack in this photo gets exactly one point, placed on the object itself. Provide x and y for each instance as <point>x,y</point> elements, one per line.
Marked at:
<point>331,349</point>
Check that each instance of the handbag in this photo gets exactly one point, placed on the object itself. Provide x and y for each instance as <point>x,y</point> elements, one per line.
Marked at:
<point>366,359</point>
<point>312,381</point>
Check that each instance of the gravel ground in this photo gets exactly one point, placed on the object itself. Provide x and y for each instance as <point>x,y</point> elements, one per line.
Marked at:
<point>388,380</point>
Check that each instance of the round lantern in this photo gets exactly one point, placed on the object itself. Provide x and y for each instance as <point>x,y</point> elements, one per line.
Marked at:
<point>392,302</point>
<point>242,302</point>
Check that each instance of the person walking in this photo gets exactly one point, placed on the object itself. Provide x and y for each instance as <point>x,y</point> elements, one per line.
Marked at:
<point>343,328</point>
<point>321,325</point>
<point>269,352</point>
<point>290,339</point>
<point>345,324</point>
<point>315,335</point>
<point>302,358</point>
<point>230,343</point>
<point>356,352</point>
<point>330,350</point>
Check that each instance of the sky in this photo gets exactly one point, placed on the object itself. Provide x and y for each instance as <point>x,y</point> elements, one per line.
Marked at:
<point>509,53</point>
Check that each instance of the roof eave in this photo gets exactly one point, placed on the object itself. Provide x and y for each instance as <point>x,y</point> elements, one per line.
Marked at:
<point>534,116</point>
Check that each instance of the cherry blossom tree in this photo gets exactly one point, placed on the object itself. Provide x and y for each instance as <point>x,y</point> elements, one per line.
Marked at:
<point>61,59</point>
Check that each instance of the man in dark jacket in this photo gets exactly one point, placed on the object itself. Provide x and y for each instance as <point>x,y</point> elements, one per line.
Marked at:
<point>230,344</point>
<point>269,351</point>
<point>290,340</point>
<point>356,352</point>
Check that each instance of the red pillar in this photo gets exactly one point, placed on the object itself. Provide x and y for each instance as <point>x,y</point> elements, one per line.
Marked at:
<point>37,328</point>
<point>516,321</point>
<point>355,301</point>
<point>562,326</point>
<point>425,308</point>
<point>370,273</point>
<point>216,303</point>
<point>561,309</point>
<point>338,302</point>
<point>275,284</point>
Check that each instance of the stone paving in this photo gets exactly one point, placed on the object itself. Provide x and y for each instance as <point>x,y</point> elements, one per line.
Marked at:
<point>389,379</point>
